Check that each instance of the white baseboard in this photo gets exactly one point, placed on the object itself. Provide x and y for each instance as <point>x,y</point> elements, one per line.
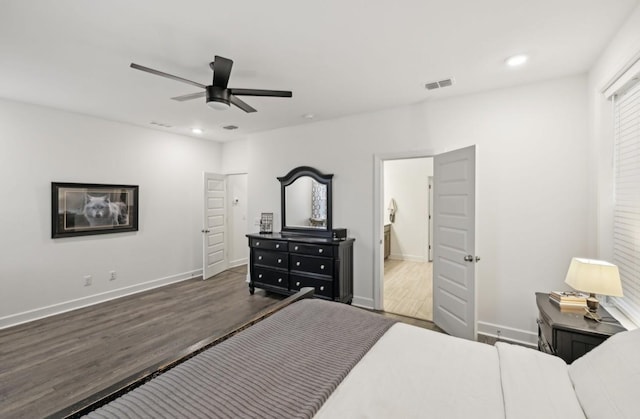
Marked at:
<point>362,302</point>
<point>409,258</point>
<point>39,313</point>
<point>238,262</point>
<point>522,337</point>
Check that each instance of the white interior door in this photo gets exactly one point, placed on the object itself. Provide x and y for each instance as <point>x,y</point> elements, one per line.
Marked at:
<point>454,242</point>
<point>215,225</point>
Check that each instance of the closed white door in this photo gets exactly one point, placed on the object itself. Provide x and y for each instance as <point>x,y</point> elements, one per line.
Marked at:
<point>214,232</point>
<point>454,242</point>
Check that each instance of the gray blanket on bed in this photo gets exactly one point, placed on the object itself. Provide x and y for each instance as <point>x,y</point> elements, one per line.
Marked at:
<point>286,366</point>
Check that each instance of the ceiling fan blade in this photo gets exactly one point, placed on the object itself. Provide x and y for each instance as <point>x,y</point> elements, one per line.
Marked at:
<point>189,96</point>
<point>169,76</point>
<point>260,92</point>
<point>221,71</point>
<point>241,104</point>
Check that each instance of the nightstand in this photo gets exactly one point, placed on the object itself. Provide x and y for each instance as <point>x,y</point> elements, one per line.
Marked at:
<point>569,335</point>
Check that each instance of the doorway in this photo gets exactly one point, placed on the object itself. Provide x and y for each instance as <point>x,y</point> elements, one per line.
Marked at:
<point>214,238</point>
<point>454,247</point>
<point>408,271</point>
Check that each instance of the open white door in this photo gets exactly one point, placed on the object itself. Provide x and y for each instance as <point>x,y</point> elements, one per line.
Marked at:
<point>215,225</point>
<point>454,242</point>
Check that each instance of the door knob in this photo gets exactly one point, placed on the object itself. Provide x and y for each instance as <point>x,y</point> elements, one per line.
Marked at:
<point>470,258</point>
<point>205,231</point>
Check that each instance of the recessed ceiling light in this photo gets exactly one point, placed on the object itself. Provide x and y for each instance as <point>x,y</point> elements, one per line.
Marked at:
<point>516,60</point>
<point>308,116</point>
<point>196,130</point>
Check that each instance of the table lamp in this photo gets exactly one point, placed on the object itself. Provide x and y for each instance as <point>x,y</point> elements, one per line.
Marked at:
<point>595,277</point>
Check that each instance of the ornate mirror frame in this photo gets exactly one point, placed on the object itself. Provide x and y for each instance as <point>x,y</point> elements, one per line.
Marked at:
<point>287,180</point>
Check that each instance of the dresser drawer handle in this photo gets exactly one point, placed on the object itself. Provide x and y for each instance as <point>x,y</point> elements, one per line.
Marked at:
<point>279,260</point>
<point>279,279</point>
<point>257,243</point>
<point>277,246</point>
<point>260,276</point>
<point>321,266</point>
<point>297,284</point>
<point>259,257</point>
<point>320,250</point>
<point>322,288</point>
<point>295,248</point>
<point>297,263</point>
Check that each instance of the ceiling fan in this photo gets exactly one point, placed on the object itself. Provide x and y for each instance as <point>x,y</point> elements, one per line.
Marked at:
<point>218,95</point>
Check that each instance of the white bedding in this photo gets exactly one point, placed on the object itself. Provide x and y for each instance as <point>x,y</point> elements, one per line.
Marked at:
<point>415,373</point>
<point>536,385</point>
<point>607,379</point>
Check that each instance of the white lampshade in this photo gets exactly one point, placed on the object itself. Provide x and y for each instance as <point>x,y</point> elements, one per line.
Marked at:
<point>594,276</point>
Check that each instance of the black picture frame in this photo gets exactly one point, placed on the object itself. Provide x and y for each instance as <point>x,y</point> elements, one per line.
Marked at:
<point>83,209</point>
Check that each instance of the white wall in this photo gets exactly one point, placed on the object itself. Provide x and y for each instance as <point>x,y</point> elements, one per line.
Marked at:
<point>531,183</point>
<point>237,249</point>
<point>39,275</point>
<point>407,182</point>
<point>234,156</point>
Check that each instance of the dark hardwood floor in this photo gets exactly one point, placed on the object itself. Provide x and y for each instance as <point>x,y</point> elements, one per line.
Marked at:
<point>49,364</point>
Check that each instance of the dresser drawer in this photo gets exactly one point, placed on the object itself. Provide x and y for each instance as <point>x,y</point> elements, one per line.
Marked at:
<point>272,259</point>
<point>269,244</point>
<point>322,287</point>
<point>316,265</point>
<point>311,249</point>
<point>270,277</point>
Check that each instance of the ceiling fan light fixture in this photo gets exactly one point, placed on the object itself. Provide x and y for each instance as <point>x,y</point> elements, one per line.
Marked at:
<point>218,104</point>
<point>218,98</point>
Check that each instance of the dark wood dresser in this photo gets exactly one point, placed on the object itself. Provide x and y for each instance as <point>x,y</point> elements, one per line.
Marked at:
<point>569,335</point>
<point>286,263</point>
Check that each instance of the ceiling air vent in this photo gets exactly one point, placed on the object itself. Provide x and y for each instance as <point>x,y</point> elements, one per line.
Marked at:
<point>160,124</point>
<point>438,84</point>
<point>230,127</point>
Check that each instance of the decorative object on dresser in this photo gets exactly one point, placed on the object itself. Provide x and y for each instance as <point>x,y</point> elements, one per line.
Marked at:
<point>305,253</point>
<point>340,233</point>
<point>266,223</point>
<point>594,277</point>
<point>570,335</point>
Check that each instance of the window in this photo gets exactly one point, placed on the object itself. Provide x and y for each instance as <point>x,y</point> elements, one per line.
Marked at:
<point>626,216</point>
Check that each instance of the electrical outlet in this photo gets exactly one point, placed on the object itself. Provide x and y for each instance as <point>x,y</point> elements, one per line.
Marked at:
<point>88,279</point>
<point>112,275</point>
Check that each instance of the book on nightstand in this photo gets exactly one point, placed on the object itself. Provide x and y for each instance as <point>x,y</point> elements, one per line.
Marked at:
<point>569,301</point>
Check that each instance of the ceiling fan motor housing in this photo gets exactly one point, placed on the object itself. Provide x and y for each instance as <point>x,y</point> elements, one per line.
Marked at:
<point>217,97</point>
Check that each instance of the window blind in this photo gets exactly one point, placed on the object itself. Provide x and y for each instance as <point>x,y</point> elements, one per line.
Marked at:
<point>626,217</point>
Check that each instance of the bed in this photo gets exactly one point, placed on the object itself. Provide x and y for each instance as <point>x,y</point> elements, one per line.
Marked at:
<point>323,359</point>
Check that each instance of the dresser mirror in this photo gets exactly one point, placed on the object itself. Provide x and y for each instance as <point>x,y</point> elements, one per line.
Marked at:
<point>305,195</point>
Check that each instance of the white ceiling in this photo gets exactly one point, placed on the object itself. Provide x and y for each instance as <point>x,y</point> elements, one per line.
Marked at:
<point>339,57</point>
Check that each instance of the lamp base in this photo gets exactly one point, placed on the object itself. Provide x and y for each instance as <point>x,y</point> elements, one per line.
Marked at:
<point>592,310</point>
